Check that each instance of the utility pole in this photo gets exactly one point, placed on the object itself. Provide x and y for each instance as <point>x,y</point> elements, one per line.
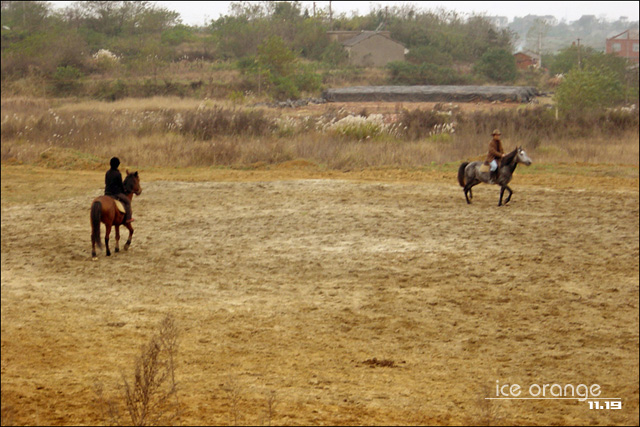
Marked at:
<point>535,34</point>
<point>540,49</point>
<point>579,56</point>
<point>386,17</point>
<point>330,17</point>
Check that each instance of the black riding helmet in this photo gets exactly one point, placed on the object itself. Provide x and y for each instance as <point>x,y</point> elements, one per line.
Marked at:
<point>115,162</point>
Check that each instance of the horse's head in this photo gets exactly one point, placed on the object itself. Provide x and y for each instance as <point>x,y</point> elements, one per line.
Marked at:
<point>522,157</point>
<point>132,183</point>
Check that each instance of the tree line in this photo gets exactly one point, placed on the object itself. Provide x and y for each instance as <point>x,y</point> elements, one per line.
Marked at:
<point>277,46</point>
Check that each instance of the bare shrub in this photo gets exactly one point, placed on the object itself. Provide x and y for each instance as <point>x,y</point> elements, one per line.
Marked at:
<point>232,388</point>
<point>151,397</point>
<point>541,122</point>
<point>416,124</point>
<point>271,402</point>
<point>487,412</point>
<point>236,401</point>
<point>205,124</point>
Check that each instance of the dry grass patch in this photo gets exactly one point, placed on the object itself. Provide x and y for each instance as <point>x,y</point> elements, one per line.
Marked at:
<point>174,132</point>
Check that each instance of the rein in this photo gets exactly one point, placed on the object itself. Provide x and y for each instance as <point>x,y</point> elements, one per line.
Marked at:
<point>509,158</point>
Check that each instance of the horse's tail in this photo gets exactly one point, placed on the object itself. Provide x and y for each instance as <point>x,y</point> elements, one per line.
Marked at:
<point>96,215</point>
<point>461,173</point>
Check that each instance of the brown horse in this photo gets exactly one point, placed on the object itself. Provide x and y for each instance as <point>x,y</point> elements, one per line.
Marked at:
<point>104,209</point>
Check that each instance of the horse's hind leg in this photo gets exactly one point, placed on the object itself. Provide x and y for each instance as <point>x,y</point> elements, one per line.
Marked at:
<point>106,239</point>
<point>468,193</point>
<point>117,239</point>
<point>94,256</point>
<point>467,190</point>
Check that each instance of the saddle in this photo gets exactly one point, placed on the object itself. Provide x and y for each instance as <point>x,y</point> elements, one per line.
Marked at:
<point>119,206</point>
<point>485,167</point>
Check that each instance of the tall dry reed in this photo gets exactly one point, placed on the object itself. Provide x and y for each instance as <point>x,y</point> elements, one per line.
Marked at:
<point>181,133</point>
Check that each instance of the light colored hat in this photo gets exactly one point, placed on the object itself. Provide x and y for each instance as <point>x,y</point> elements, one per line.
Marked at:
<point>496,132</point>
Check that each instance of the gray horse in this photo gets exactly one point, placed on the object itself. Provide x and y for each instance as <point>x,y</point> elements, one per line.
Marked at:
<point>470,174</point>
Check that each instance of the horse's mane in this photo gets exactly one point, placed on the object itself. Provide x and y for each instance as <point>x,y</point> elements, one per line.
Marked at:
<point>509,157</point>
<point>128,183</point>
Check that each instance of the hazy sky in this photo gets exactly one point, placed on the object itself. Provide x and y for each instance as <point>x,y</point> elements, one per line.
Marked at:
<point>199,12</point>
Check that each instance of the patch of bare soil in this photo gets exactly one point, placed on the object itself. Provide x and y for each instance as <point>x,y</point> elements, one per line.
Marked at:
<point>368,299</point>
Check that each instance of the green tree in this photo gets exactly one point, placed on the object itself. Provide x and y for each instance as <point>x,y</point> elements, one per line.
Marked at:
<point>429,54</point>
<point>618,65</point>
<point>276,57</point>
<point>29,16</point>
<point>177,35</point>
<point>237,36</point>
<point>116,18</point>
<point>535,39</point>
<point>66,80</point>
<point>44,52</point>
<point>569,58</point>
<point>311,39</point>
<point>405,73</point>
<point>278,70</point>
<point>498,65</point>
<point>591,89</point>
<point>277,61</point>
<point>334,54</point>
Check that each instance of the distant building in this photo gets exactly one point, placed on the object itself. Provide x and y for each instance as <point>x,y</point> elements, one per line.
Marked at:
<point>527,59</point>
<point>625,45</point>
<point>369,48</point>
<point>499,22</point>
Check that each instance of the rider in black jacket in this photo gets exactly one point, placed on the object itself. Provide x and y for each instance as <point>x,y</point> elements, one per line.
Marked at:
<point>115,188</point>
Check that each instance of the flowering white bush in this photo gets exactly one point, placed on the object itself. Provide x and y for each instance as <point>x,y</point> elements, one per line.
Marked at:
<point>103,54</point>
<point>444,128</point>
<point>105,60</point>
<point>358,127</point>
<point>286,126</point>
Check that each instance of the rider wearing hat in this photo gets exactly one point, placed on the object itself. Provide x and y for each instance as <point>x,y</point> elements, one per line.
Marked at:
<point>114,187</point>
<point>496,153</point>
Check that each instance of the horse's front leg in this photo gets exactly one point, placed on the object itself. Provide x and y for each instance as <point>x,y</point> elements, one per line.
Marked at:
<point>502,188</point>
<point>509,196</point>
<point>117,238</point>
<point>106,239</point>
<point>126,246</point>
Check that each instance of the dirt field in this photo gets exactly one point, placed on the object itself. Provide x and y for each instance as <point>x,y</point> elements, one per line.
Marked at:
<point>376,297</point>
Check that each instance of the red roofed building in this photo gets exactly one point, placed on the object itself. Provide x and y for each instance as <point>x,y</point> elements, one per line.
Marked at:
<point>625,45</point>
<point>526,60</point>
